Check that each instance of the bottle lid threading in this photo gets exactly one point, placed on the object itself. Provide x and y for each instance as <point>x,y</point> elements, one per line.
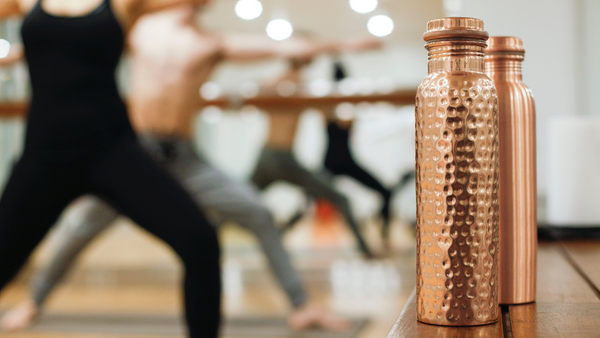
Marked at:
<point>455,27</point>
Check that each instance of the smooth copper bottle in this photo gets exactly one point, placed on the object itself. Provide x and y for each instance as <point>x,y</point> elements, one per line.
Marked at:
<point>518,197</point>
<point>457,179</point>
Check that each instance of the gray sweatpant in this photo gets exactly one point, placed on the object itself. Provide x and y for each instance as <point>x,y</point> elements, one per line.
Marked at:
<point>223,199</point>
<point>275,165</point>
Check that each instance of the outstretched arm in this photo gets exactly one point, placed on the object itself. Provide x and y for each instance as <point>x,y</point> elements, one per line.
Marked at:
<point>14,55</point>
<point>131,10</point>
<point>258,47</point>
<point>11,7</point>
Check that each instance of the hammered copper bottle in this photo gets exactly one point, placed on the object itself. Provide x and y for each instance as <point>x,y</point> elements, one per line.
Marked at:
<point>457,179</point>
<point>518,197</point>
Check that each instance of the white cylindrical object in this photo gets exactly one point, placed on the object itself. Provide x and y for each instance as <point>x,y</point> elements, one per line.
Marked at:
<point>574,159</point>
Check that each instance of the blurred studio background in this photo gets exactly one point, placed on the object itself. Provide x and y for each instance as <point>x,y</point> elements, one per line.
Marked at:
<point>126,271</point>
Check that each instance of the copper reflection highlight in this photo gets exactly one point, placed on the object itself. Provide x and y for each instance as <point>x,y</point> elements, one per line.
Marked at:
<point>518,199</point>
<point>457,179</point>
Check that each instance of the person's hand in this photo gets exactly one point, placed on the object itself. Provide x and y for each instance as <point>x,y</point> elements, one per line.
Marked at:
<point>19,317</point>
<point>312,315</point>
<point>362,44</point>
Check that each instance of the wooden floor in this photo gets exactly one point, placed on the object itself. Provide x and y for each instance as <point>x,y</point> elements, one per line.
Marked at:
<point>108,282</point>
<point>567,305</point>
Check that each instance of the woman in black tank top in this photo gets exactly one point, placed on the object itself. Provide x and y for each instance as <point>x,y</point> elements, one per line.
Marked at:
<point>79,141</point>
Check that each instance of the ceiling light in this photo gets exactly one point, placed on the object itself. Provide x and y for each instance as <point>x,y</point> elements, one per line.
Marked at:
<point>380,25</point>
<point>363,6</point>
<point>248,9</point>
<point>279,29</point>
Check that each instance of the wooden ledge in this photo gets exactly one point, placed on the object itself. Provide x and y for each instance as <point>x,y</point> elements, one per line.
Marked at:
<point>568,300</point>
<point>405,97</point>
<point>407,326</point>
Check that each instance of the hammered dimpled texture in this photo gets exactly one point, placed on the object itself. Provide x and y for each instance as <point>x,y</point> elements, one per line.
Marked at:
<point>457,199</point>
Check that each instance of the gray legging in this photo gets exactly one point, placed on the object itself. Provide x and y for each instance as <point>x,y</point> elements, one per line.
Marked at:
<point>221,197</point>
<point>275,165</point>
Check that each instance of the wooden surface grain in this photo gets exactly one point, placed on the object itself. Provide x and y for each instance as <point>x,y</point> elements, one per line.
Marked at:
<point>568,303</point>
<point>408,326</point>
<point>586,255</point>
<point>558,281</point>
<point>555,319</point>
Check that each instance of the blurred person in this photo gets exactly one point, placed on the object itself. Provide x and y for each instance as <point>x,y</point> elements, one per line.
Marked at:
<point>79,141</point>
<point>277,162</point>
<point>171,59</point>
<point>340,161</point>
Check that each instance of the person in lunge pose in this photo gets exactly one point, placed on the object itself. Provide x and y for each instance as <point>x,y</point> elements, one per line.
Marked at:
<point>277,162</point>
<point>171,59</point>
<point>79,141</point>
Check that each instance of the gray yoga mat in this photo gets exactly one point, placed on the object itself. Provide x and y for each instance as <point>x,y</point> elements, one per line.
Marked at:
<point>155,325</point>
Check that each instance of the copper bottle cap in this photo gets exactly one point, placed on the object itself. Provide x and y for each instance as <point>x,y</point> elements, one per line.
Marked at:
<point>455,28</point>
<point>505,46</point>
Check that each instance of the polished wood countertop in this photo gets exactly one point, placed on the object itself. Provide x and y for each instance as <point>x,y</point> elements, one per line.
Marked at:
<point>568,300</point>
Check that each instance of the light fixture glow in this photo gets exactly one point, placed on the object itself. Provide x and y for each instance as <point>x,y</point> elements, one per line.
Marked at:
<point>279,29</point>
<point>363,6</point>
<point>248,9</point>
<point>320,87</point>
<point>210,91</point>
<point>380,25</point>
<point>4,48</point>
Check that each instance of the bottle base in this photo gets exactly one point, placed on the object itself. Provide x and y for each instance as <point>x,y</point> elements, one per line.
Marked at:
<point>457,324</point>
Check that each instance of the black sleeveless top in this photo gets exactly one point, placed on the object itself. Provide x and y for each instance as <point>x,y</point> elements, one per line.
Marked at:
<point>338,151</point>
<point>75,107</point>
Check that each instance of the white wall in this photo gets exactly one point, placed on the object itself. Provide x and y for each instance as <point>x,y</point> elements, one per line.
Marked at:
<point>591,49</point>
<point>550,33</point>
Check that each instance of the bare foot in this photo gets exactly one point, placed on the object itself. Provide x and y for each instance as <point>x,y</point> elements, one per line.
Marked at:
<point>312,315</point>
<point>19,317</point>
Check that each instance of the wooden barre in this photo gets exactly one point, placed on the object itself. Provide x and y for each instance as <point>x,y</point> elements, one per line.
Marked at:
<point>405,97</point>
<point>269,102</point>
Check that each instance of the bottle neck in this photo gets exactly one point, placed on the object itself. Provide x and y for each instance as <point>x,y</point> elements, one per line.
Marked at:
<point>456,55</point>
<point>503,69</point>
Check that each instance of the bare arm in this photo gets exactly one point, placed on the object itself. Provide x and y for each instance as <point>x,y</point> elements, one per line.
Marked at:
<point>134,9</point>
<point>258,47</point>
<point>14,55</point>
<point>10,7</point>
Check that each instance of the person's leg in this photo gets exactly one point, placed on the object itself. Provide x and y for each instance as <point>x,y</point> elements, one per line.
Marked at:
<point>87,218</point>
<point>353,170</point>
<point>265,171</point>
<point>229,200</point>
<point>239,202</point>
<point>129,180</point>
<point>316,185</point>
<point>291,223</point>
<point>34,197</point>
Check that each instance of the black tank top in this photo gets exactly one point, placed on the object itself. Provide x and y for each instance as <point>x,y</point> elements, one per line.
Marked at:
<point>75,107</point>
<point>338,150</point>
